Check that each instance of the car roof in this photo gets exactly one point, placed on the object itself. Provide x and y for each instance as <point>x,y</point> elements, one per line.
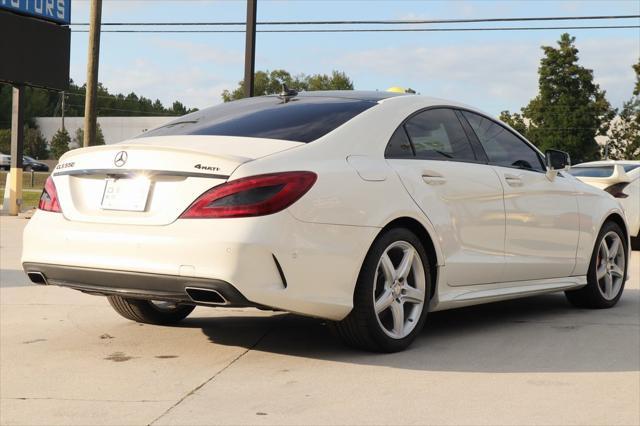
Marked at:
<point>362,95</point>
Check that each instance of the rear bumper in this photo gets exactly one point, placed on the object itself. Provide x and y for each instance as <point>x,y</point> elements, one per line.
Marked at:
<point>134,284</point>
<point>275,261</point>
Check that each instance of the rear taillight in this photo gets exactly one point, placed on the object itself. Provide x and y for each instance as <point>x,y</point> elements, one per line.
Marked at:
<point>49,198</point>
<point>252,196</point>
<point>616,189</point>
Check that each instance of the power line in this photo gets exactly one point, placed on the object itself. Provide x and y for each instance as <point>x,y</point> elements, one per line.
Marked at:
<point>376,30</point>
<point>372,22</point>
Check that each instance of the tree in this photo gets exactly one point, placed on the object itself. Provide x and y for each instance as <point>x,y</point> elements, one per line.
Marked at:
<point>48,103</point>
<point>60,143</point>
<point>35,145</point>
<point>270,82</point>
<point>178,109</point>
<point>516,121</point>
<point>5,141</point>
<point>78,139</point>
<point>624,135</point>
<point>570,110</point>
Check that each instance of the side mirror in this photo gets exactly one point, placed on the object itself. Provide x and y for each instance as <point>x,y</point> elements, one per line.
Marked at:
<point>556,161</point>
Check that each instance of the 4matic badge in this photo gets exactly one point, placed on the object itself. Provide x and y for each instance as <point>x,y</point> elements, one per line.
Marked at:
<point>210,168</point>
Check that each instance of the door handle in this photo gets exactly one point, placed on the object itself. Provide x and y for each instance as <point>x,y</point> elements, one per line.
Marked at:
<point>433,178</point>
<point>513,180</point>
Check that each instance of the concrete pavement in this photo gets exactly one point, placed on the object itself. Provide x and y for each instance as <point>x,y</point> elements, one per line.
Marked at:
<point>67,358</point>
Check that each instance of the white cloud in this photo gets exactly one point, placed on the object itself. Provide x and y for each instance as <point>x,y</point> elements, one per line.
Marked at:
<point>495,75</point>
<point>194,86</point>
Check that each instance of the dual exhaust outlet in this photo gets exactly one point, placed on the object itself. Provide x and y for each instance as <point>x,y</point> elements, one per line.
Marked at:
<point>202,296</point>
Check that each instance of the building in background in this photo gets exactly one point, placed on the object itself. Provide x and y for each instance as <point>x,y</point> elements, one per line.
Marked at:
<point>114,129</point>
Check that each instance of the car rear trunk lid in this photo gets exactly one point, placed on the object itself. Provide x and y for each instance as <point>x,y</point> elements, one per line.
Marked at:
<point>150,181</point>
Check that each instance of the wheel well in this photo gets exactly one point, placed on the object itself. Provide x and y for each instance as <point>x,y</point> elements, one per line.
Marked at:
<point>617,219</point>
<point>419,230</point>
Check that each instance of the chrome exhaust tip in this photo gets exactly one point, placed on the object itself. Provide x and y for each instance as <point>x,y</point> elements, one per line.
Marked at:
<point>37,278</point>
<point>205,296</point>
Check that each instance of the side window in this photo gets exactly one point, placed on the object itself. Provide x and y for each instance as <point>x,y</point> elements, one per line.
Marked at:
<point>437,134</point>
<point>503,147</point>
<point>399,145</point>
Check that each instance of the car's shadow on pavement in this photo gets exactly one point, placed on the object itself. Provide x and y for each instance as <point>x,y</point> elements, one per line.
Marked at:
<point>539,334</point>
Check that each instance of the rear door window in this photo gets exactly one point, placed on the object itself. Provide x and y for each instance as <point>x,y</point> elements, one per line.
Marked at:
<point>438,135</point>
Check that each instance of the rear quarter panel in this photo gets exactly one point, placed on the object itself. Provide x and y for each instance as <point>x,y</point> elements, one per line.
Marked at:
<point>594,206</point>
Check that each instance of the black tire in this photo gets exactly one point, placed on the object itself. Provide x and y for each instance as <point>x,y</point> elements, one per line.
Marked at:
<point>361,328</point>
<point>147,312</point>
<point>590,296</point>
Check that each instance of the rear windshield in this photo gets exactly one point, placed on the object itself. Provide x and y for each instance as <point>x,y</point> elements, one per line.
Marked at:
<point>302,119</point>
<point>604,171</point>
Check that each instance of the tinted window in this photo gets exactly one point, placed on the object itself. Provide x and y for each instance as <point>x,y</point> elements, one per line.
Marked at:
<point>502,146</point>
<point>302,119</point>
<point>629,167</point>
<point>399,145</point>
<point>605,171</point>
<point>438,134</point>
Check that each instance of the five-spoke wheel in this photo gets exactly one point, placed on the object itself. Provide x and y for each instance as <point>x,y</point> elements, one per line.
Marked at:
<point>399,289</point>
<point>610,267</point>
<point>607,270</point>
<point>391,296</point>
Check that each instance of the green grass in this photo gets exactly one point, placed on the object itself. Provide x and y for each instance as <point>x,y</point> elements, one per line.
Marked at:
<point>31,189</point>
<point>29,180</point>
<point>30,199</point>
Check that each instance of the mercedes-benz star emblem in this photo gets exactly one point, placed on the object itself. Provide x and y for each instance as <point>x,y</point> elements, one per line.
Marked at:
<point>121,159</point>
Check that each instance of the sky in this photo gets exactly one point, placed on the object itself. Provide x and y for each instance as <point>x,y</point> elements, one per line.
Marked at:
<point>491,70</point>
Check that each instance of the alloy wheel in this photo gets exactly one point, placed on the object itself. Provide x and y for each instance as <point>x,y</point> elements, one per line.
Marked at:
<point>610,265</point>
<point>399,289</point>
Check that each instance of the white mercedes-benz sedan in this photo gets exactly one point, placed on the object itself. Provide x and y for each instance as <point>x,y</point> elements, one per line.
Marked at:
<point>369,209</point>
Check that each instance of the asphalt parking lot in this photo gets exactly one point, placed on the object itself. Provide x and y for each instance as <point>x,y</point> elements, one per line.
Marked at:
<point>68,358</point>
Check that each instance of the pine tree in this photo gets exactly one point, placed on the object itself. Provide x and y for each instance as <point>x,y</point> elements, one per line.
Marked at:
<point>78,139</point>
<point>35,145</point>
<point>60,143</point>
<point>624,136</point>
<point>570,109</point>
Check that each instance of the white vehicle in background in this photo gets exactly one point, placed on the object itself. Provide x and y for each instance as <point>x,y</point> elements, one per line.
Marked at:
<point>621,179</point>
<point>5,161</point>
<point>369,209</point>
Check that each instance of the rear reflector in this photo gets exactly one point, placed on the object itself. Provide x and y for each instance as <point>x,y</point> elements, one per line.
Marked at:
<point>49,197</point>
<point>617,189</point>
<point>252,196</point>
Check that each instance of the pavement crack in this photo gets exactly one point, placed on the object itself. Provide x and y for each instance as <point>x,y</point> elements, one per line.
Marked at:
<point>46,398</point>
<point>210,379</point>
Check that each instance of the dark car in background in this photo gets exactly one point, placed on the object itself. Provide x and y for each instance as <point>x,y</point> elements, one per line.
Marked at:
<point>29,164</point>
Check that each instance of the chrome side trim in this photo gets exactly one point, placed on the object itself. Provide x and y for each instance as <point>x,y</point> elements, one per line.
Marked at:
<point>135,172</point>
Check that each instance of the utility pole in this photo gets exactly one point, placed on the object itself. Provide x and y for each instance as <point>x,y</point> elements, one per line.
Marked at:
<point>17,147</point>
<point>93,58</point>
<point>250,48</point>
<point>62,111</point>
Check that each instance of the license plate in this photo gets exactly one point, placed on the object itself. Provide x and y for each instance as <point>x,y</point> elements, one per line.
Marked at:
<point>126,194</point>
